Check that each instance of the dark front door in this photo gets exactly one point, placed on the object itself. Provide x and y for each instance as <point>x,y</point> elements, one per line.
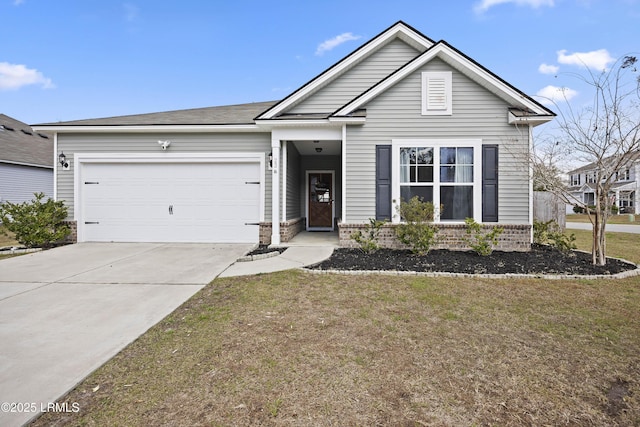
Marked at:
<point>320,193</point>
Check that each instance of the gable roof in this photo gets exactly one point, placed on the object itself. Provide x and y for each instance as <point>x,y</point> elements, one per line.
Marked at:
<point>398,30</point>
<point>526,106</point>
<point>19,144</point>
<point>632,158</point>
<point>239,114</point>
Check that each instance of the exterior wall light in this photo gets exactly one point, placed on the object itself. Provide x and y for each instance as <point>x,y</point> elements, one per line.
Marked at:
<point>62,159</point>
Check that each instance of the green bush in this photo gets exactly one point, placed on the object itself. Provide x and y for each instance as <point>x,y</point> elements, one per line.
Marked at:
<point>35,223</point>
<point>418,230</point>
<point>368,241</point>
<point>548,233</point>
<point>481,242</point>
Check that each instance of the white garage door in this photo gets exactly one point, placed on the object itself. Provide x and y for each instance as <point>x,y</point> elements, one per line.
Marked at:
<point>170,202</point>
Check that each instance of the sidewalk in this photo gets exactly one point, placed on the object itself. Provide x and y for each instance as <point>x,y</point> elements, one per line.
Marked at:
<point>293,257</point>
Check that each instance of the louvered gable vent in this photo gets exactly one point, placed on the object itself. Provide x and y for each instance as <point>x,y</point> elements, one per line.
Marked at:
<point>436,93</point>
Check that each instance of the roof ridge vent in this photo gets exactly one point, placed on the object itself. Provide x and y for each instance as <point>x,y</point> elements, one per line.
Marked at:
<point>26,132</point>
<point>7,128</point>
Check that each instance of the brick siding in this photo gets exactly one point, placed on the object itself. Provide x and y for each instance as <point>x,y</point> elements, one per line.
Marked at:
<point>515,237</point>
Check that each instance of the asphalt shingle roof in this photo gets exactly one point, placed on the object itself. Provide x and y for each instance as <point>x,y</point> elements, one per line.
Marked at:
<point>21,144</point>
<point>224,115</point>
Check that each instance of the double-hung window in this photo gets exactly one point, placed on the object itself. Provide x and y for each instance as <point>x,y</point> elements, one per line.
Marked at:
<point>444,172</point>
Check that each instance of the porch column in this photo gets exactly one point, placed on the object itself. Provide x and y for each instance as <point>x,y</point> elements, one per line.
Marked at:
<point>275,190</point>
<point>618,200</point>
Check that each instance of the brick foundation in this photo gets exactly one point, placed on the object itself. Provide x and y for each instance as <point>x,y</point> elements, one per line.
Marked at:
<point>515,237</point>
<point>288,230</point>
<point>73,235</point>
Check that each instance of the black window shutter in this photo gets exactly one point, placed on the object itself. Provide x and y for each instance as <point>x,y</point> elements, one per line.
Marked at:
<point>383,182</point>
<point>489,183</point>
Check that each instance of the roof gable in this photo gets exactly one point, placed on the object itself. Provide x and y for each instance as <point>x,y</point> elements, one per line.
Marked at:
<point>466,66</point>
<point>399,30</point>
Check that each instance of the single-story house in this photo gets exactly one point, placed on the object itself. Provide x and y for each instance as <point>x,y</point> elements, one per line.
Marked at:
<point>400,116</point>
<point>26,161</point>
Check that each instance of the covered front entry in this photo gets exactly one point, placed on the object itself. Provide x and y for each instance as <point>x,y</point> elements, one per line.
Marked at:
<point>170,201</point>
<point>320,200</point>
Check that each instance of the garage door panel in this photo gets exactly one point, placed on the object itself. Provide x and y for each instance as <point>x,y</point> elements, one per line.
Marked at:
<point>196,202</point>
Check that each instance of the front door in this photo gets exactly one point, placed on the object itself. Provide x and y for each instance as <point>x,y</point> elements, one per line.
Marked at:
<point>320,200</point>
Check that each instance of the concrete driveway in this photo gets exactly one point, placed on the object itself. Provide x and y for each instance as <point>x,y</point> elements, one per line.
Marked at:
<point>66,311</point>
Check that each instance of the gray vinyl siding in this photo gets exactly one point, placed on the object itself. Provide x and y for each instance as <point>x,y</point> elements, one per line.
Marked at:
<point>18,183</point>
<point>293,183</point>
<point>477,114</point>
<point>147,143</point>
<point>358,79</point>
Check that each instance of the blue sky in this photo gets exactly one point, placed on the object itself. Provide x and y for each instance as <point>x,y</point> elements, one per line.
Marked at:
<point>77,59</point>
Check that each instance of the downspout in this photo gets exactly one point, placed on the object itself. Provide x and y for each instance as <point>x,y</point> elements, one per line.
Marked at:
<point>285,166</point>
<point>275,191</point>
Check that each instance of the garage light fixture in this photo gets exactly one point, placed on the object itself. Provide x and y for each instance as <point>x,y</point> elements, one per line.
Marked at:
<point>270,157</point>
<point>62,159</point>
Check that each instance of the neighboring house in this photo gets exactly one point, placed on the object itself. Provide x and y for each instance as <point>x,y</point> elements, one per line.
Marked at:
<point>26,161</point>
<point>624,192</point>
<point>400,116</point>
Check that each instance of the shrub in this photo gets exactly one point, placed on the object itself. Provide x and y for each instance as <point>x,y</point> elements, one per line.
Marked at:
<point>418,230</point>
<point>548,233</point>
<point>368,241</point>
<point>35,223</point>
<point>481,243</point>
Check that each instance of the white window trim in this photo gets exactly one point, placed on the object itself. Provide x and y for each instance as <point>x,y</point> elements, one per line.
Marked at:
<point>437,144</point>
<point>447,76</point>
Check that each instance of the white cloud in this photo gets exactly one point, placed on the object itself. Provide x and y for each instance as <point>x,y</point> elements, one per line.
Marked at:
<point>553,94</point>
<point>548,69</point>
<point>485,5</point>
<point>14,76</point>
<point>596,59</point>
<point>327,45</point>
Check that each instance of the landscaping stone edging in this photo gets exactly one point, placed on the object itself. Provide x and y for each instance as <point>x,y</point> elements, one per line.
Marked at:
<point>622,275</point>
<point>12,250</point>
<point>247,258</point>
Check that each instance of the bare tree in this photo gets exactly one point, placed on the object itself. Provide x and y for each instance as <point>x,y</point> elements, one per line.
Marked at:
<point>605,135</point>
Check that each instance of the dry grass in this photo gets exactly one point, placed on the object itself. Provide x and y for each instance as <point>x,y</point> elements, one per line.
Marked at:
<point>293,348</point>
<point>620,245</point>
<point>6,240</point>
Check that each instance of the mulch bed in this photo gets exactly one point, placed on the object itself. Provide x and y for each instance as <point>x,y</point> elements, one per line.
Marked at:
<point>540,260</point>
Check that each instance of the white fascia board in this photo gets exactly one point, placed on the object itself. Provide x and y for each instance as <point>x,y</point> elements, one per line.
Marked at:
<point>277,124</point>
<point>457,61</point>
<point>307,134</point>
<point>32,165</point>
<point>528,120</point>
<point>149,128</point>
<point>348,120</point>
<point>398,30</point>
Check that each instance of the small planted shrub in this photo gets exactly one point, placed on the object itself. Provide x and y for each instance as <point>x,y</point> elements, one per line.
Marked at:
<point>36,223</point>
<point>368,240</point>
<point>548,233</point>
<point>418,230</point>
<point>481,242</point>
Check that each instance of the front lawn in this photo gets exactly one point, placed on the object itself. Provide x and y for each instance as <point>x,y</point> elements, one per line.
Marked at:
<point>294,348</point>
<point>613,219</point>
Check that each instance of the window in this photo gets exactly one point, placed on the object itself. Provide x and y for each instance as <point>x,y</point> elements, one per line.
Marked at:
<point>436,93</point>
<point>591,178</point>
<point>575,179</point>
<point>446,173</point>
<point>623,175</point>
